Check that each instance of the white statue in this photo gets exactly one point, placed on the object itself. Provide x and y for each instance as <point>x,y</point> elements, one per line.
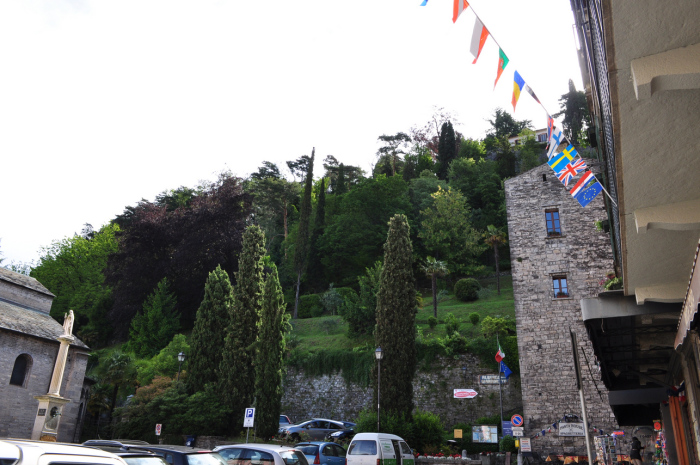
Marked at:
<point>68,323</point>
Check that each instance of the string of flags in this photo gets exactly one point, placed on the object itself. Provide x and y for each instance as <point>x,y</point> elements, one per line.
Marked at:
<point>566,418</point>
<point>502,368</point>
<point>566,162</point>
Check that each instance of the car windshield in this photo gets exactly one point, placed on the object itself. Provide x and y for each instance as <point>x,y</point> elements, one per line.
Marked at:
<point>292,457</point>
<point>208,458</point>
<point>154,460</point>
<point>308,449</point>
<point>363,448</point>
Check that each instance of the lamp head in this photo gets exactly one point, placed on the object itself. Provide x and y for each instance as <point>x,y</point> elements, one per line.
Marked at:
<point>181,357</point>
<point>378,353</point>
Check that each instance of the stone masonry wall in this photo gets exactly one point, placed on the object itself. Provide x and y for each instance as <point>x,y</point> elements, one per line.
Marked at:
<point>25,297</point>
<point>331,397</point>
<point>17,404</point>
<point>584,255</point>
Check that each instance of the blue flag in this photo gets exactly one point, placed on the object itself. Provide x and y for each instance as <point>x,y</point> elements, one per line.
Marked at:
<point>584,197</point>
<point>505,370</point>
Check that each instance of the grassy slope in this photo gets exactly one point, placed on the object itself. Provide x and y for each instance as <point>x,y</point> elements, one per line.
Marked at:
<point>329,332</point>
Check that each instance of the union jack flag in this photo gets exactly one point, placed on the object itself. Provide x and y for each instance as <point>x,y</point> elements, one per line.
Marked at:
<point>571,170</point>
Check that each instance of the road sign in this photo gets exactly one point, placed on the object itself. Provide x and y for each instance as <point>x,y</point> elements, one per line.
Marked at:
<point>249,418</point>
<point>464,393</point>
<point>507,428</point>
<point>517,420</point>
<point>518,431</point>
<point>158,428</point>
<point>525,445</point>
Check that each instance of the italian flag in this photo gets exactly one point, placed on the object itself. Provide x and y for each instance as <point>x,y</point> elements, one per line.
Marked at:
<point>500,355</point>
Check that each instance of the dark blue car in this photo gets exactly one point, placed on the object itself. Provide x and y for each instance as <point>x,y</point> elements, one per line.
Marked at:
<point>322,453</point>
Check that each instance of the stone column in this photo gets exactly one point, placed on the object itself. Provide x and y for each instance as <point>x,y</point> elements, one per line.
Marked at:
<point>57,377</point>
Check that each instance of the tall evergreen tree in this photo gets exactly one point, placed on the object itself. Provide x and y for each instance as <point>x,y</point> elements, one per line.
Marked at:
<point>341,186</point>
<point>315,270</point>
<point>237,371</point>
<point>302,245</point>
<point>154,327</point>
<point>270,355</point>
<point>396,321</point>
<point>574,108</point>
<point>447,149</point>
<point>209,331</point>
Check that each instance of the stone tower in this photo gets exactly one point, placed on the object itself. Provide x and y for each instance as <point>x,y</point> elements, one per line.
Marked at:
<point>558,257</point>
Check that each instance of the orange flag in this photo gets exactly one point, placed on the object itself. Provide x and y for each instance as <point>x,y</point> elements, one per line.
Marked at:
<point>459,7</point>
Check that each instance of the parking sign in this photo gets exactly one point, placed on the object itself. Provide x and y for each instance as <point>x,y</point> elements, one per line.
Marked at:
<point>249,418</point>
<point>158,428</point>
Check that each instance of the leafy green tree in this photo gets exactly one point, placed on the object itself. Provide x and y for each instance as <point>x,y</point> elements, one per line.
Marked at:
<point>531,153</point>
<point>471,148</point>
<point>73,270</point>
<point>434,269</point>
<point>396,321</point>
<point>574,108</point>
<point>483,188</point>
<point>351,175</point>
<point>422,189</point>
<point>237,371</point>
<point>274,323</point>
<point>495,237</point>
<point>314,273</point>
<point>209,331</point>
<point>503,126</point>
<point>267,170</point>
<point>165,363</point>
<point>392,149</point>
<point>301,248</point>
<point>176,198</point>
<point>447,232</point>
<point>419,159</point>
<point>447,149</point>
<point>506,159</point>
<point>492,326</point>
<point>153,328</point>
<point>341,186</point>
<point>360,310</point>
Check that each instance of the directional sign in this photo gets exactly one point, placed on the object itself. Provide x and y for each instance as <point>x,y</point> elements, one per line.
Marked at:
<point>464,393</point>
<point>158,428</point>
<point>507,428</point>
<point>249,418</point>
<point>518,431</point>
<point>517,420</point>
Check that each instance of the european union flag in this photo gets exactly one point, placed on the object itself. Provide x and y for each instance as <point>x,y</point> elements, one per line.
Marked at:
<point>588,194</point>
<point>505,370</point>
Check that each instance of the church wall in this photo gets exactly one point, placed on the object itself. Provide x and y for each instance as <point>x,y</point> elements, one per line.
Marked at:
<point>25,296</point>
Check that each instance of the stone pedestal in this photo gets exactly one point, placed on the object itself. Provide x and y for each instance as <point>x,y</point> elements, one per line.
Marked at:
<point>48,417</point>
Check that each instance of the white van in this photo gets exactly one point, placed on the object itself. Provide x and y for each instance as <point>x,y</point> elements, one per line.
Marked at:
<point>379,449</point>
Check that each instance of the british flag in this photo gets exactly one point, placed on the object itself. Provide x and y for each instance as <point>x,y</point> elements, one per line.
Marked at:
<point>571,170</point>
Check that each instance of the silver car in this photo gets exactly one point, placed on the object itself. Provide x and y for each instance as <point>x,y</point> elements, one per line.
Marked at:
<point>312,430</point>
<point>261,454</point>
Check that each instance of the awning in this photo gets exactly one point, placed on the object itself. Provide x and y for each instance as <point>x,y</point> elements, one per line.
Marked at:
<point>690,305</point>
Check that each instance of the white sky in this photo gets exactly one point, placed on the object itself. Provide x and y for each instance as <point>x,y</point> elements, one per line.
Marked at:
<point>103,103</point>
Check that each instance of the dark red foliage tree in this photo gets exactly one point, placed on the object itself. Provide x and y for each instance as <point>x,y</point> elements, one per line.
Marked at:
<point>183,245</point>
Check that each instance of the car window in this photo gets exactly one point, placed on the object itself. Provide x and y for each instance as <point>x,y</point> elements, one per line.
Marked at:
<point>328,451</point>
<point>307,449</point>
<point>311,424</point>
<point>363,448</point>
<point>208,458</point>
<point>168,457</point>
<point>339,451</point>
<point>258,457</point>
<point>322,424</point>
<point>232,455</point>
<point>405,449</point>
<point>348,424</point>
<point>292,457</point>
<point>332,425</point>
<point>155,460</point>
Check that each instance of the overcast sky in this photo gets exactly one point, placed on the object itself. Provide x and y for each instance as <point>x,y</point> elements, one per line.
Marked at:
<point>103,103</point>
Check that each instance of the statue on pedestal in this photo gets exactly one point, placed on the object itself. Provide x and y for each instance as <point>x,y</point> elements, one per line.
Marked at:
<point>68,323</point>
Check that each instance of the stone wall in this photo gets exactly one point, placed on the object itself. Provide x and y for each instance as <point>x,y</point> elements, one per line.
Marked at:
<point>17,404</point>
<point>25,297</point>
<point>330,396</point>
<point>584,255</point>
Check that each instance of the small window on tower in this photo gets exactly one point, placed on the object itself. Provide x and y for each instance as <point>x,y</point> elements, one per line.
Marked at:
<point>552,218</point>
<point>561,290</point>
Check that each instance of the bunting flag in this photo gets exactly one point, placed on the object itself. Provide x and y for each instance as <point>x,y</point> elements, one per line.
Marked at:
<point>532,93</point>
<point>479,37</point>
<point>518,84</point>
<point>588,193</point>
<point>578,187</point>
<point>555,141</point>
<point>425,2</point>
<point>502,63</point>
<point>571,170</point>
<point>500,355</point>
<point>459,7</point>
<point>565,156</point>
<point>505,370</point>
<point>550,125</point>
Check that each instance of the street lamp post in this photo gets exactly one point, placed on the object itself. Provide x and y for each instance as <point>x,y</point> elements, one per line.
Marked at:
<point>378,354</point>
<point>180,358</point>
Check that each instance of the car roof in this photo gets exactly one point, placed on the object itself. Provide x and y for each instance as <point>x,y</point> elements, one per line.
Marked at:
<point>315,443</point>
<point>273,447</point>
<point>169,448</point>
<point>369,436</point>
<point>57,448</point>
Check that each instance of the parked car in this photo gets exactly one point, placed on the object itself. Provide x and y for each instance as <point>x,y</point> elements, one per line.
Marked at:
<point>130,456</point>
<point>316,429</point>
<point>322,453</point>
<point>25,452</point>
<point>373,448</point>
<point>261,454</point>
<point>335,436</point>
<point>173,455</point>
<point>285,421</point>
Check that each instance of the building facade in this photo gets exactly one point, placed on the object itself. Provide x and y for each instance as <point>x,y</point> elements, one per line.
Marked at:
<point>28,351</point>
<point>559,255</point>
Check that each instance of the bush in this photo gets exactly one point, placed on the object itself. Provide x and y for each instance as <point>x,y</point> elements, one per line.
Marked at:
<point>474,318</point>
<point>424,430</point>
<point>310,306</point>
<point>432,322</point>
<point>467,289</point>
<point>452,324</point>
<point>485,292</point>
<point>507,444</point>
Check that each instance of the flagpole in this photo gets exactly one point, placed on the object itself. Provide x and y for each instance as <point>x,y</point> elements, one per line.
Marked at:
<point>500,384</point>
<point>606,193</point>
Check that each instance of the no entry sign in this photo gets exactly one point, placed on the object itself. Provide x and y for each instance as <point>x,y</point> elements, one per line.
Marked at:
<point>464,393</point>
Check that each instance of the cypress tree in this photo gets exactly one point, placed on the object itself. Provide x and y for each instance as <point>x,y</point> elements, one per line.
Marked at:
<point>341,185</point>
<point>301,249</point>
<point>153,328</point>
<point>236,371</point>
<point>315,271</point>
<point>268,366</point>
<point>396,321</point>
<point>447,149</point>
<point>209,331</point>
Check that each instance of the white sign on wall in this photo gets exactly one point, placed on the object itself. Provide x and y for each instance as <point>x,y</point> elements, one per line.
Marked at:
<point>571,429</point>
<point>525,445</point>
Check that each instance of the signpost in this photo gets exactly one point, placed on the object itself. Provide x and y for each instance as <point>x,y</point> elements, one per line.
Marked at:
<point>465,393</point>
<point>159,427</point>
<point>507,428</point>
<point>248,421</point>
<point>518,431</point>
